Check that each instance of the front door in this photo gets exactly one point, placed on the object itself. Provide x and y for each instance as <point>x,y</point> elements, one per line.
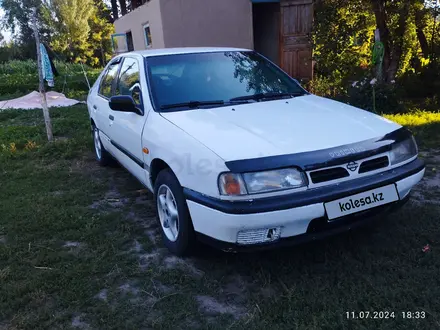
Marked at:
<point>295,44</point>
<point>127,127</point>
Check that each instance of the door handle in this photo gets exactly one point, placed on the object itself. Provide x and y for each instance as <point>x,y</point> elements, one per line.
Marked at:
<point>95,107</point>
<point>111,117</point>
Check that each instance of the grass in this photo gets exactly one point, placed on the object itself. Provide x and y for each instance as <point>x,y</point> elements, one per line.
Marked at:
<point>79,248</point>
<point>424,124</point>
<point>418,118</point>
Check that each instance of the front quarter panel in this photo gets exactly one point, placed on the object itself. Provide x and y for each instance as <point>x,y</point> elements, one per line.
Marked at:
<point>195,166</point>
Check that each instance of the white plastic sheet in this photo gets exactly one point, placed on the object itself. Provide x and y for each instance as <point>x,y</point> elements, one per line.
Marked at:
<point>33,101</point>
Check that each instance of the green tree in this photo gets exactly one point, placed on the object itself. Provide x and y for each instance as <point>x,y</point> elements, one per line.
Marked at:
<point>101,29</point>
<point>421,18</point>
<point>81,30</point>
<point>342,36</point>
<point>18,15</point>
<point>392,21</point>
<point>17,18</point>
<point>70,23</point>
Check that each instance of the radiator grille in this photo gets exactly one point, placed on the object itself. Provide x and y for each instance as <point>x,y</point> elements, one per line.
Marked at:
<point>328,174</point>
<point>374,164</point>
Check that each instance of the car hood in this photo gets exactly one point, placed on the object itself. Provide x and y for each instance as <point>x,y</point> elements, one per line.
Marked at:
<point>279,127</point>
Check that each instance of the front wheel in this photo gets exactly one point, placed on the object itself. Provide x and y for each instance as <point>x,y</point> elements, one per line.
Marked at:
<point>173,215</point>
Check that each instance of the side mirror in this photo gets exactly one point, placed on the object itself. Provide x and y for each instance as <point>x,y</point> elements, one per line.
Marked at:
<point>124,103</point>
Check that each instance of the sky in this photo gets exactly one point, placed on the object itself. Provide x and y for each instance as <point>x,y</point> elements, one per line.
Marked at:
<point>6,33</point>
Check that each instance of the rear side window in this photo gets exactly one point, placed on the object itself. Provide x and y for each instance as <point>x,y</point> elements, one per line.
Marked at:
<point>107,81</point>
<point>129,80</point>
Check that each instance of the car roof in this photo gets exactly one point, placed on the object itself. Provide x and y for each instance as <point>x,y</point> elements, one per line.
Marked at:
<point>185,50</point>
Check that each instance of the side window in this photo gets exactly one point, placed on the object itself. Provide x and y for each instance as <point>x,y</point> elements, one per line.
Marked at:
<point>129,80</point>
<point>147,35</point>
<point>107,80</point>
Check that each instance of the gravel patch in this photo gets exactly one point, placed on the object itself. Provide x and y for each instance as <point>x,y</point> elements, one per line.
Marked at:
<point>70,244</point>
<point>102,295</point>
<point>211,306</point>
<point>79,324</point>
<point>128,288</point>
<point>148,259</point>
<point>172,262</point>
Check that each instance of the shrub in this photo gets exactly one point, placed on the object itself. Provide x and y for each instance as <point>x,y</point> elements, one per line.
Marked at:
<point>30,67</point>
<point>424,84</point>
<point>375,97</point>
<point>326,87</point>
<point>21,77</point>
<point>360,94</point>
<point>26,83</point>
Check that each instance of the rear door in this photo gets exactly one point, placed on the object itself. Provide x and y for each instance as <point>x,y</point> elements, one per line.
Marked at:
<point>126,128</point>
<point>100,105</point>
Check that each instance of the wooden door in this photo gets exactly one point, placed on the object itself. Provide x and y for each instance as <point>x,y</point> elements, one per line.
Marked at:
<point>295,38</point>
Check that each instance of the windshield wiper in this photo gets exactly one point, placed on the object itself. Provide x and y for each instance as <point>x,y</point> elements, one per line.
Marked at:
<point>271,95</point>
<point>235,100</point>
<point>191,104</point>
<point>197,104</point>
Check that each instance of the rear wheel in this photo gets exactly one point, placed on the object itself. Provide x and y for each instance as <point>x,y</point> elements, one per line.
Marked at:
<point>173,215</point>
<point>102,156</point>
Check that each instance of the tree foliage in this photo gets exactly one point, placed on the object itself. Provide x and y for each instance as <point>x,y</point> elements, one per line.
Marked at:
<point>101,30</point>
<point>81,29</point>
<point>71,29</point>
<point>18,19</point>
<point>77,30</point>
<point>344,35</point>
<point>342,40</point>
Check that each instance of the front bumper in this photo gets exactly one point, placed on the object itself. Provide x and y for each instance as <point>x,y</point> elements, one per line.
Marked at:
<point>296,214</point>
<point>317,229</point>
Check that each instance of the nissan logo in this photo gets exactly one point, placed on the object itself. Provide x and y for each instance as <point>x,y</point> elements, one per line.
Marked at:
<point>352,166</point>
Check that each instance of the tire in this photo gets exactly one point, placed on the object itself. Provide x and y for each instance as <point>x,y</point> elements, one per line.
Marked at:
<point>102,156</point>
<point>179,239</point>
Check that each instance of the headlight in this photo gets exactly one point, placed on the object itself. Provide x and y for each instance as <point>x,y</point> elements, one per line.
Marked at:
<point>402,151</point>
<point>259,182</point>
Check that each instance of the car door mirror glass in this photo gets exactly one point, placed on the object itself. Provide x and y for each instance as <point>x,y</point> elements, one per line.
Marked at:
<point>124,103</point>
<point>136,94</point>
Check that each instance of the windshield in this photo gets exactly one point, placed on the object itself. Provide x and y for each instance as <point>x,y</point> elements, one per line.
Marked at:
<point>184,81</point>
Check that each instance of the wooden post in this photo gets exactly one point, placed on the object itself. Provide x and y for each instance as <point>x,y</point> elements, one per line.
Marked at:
<point>46,114</point>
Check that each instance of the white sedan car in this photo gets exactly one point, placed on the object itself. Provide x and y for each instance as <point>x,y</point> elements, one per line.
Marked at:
<point>239,155</point>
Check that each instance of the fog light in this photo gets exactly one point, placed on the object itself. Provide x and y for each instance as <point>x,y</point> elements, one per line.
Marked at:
<point>256,236</point>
